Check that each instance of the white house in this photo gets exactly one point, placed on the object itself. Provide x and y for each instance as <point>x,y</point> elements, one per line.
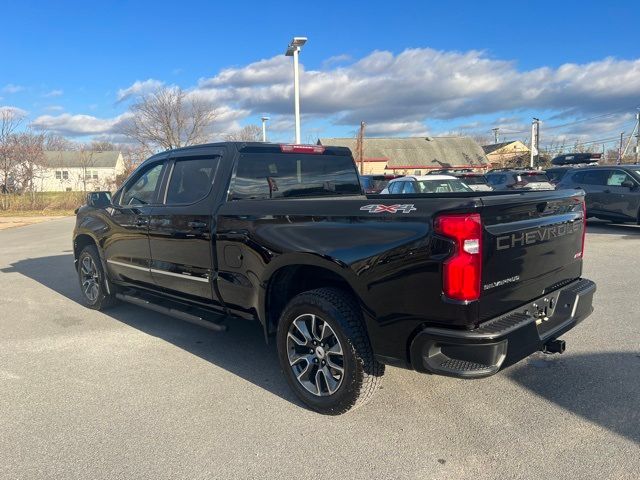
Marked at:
<point>78,170</point>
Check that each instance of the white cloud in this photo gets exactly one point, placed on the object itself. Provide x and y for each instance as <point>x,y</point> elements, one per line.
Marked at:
<point>54,108</point>
<point>79,125</point>
<point>399,94</point>
<point>12,88</point>
<point>140,87</point>
<point>54,93</point>
<point>19,112</point>
<point>420,84</point>
<point>393,129</point>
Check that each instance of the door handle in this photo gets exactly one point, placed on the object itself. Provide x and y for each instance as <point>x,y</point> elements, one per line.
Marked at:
<point>141,222</point>
<point>197,225</point>
<point>607,191</point>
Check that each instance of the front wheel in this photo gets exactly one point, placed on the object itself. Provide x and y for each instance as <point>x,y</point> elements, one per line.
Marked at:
<point>325,351</point>
<point>92,280</point>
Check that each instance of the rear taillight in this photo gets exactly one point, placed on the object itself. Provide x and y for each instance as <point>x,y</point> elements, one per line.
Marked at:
<point>317,149</point>
<point>462,271</point>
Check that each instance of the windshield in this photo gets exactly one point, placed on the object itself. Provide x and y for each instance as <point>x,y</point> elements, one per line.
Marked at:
<point>442,186</point>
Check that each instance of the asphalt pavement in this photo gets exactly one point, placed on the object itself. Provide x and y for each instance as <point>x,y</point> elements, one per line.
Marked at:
<point>129,393</point>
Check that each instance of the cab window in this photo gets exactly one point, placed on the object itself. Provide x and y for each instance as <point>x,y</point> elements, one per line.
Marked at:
<point>409,187</point>
<point>191,180</point>
<point>617,177</point>
<point>143,189</point>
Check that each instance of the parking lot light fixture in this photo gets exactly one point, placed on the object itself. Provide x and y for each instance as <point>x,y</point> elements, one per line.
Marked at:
<point>293,50</point>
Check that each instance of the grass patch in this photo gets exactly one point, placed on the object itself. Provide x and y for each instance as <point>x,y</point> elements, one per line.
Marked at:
<point>40,203</point>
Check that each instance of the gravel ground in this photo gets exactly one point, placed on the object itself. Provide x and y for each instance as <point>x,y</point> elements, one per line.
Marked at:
<point>132,394</point>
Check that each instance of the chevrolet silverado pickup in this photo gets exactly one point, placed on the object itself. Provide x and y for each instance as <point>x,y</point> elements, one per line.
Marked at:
<point>459,284</point>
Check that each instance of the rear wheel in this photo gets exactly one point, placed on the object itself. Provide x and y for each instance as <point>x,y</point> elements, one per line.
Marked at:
<point>92,280</point>
<point>325,351</point>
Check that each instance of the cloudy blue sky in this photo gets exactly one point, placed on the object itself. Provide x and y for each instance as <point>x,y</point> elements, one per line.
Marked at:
<point>405,68</point>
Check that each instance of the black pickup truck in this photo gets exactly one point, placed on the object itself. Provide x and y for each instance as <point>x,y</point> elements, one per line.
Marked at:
<point>459,284</point>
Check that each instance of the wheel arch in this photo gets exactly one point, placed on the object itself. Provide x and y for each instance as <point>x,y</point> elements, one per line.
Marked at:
<point>289,279</point>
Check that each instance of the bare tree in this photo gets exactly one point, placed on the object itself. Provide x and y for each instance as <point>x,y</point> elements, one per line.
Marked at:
<point>248,133</point>
<point>169,118</point>
<point>102,146</point>
<point>28,148</point>
<point>86,157</point>
<point>10,120</point>
<point>55,142</point>
<point>133,157</point>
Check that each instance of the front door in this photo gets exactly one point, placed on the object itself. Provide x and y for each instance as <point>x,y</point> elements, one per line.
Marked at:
<point>127,249</point>
<point>180,230</point>
<point>621,201</point>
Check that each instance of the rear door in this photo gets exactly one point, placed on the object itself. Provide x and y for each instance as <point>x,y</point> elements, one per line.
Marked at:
<point>180,229</point>
<point>594,183</point>
<point>532,244</point>
<point>127,247</point>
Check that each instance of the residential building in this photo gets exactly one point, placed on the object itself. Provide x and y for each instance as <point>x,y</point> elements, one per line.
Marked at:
<point>79,170</point>
<point>413,155</point>
<point>507,154</point>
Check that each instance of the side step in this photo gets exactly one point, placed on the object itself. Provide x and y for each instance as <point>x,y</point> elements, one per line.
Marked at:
<point>171,311</point>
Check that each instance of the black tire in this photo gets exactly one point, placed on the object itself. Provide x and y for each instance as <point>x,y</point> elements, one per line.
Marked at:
<point>95,297</point>
<point>361,374</point>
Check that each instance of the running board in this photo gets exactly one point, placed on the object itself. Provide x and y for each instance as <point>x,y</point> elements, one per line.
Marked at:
<point>172,312</point>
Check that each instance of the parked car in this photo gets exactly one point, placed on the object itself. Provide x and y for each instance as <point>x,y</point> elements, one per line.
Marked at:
<point>613,192</point>
<point>555,174</point>
<point>425,184</point>
<point>459,283</point>
<point>474,180</point>
<point>507,179</point>
<point>375,183</point>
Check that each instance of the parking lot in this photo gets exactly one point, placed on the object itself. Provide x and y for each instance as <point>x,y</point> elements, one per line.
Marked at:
<point>130,394</point>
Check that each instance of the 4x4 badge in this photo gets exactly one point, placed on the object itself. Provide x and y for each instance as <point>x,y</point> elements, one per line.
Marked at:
<point>379,208</point>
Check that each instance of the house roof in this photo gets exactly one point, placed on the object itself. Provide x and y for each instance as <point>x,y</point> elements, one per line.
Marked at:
<point>429,152</point>
<point>518,147</point>
<point>76,159</point>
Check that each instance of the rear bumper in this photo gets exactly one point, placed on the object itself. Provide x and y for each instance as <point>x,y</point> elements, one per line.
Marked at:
<point>504,340</point>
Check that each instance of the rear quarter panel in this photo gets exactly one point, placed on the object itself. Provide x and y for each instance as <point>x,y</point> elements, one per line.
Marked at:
<point>391,260</point>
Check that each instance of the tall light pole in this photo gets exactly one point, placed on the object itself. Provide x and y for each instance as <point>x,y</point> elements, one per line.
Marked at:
<point>293,50</point>
<point>264,128</point>
<point>535,138</point>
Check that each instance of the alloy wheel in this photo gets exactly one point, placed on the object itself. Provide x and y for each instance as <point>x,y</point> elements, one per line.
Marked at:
<point>315,355</point>
<point>89,278</point>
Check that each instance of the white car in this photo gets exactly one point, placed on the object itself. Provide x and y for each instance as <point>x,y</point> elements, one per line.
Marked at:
<point>425,184</point>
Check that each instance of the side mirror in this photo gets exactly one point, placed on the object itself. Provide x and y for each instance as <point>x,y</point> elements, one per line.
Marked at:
<point>629,184</point>
<point>99,199</point>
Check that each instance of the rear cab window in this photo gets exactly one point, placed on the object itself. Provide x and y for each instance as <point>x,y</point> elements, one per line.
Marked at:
<point>474,179</point>
<point>191,179</point>
<point>532,177</point>
<point>271,175</point>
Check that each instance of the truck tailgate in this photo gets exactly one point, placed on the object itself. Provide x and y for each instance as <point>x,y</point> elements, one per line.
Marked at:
<point>532,245</point>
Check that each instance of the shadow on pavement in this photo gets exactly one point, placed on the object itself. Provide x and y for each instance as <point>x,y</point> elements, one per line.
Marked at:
<point>630,231</point>
<point>241,350</point>
<point>603,388</point>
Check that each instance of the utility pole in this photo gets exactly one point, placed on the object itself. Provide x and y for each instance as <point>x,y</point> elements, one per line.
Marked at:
<point>535,140</point>
<point>360,147</point>
<point>619,160</point>
<point>495,134</point>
